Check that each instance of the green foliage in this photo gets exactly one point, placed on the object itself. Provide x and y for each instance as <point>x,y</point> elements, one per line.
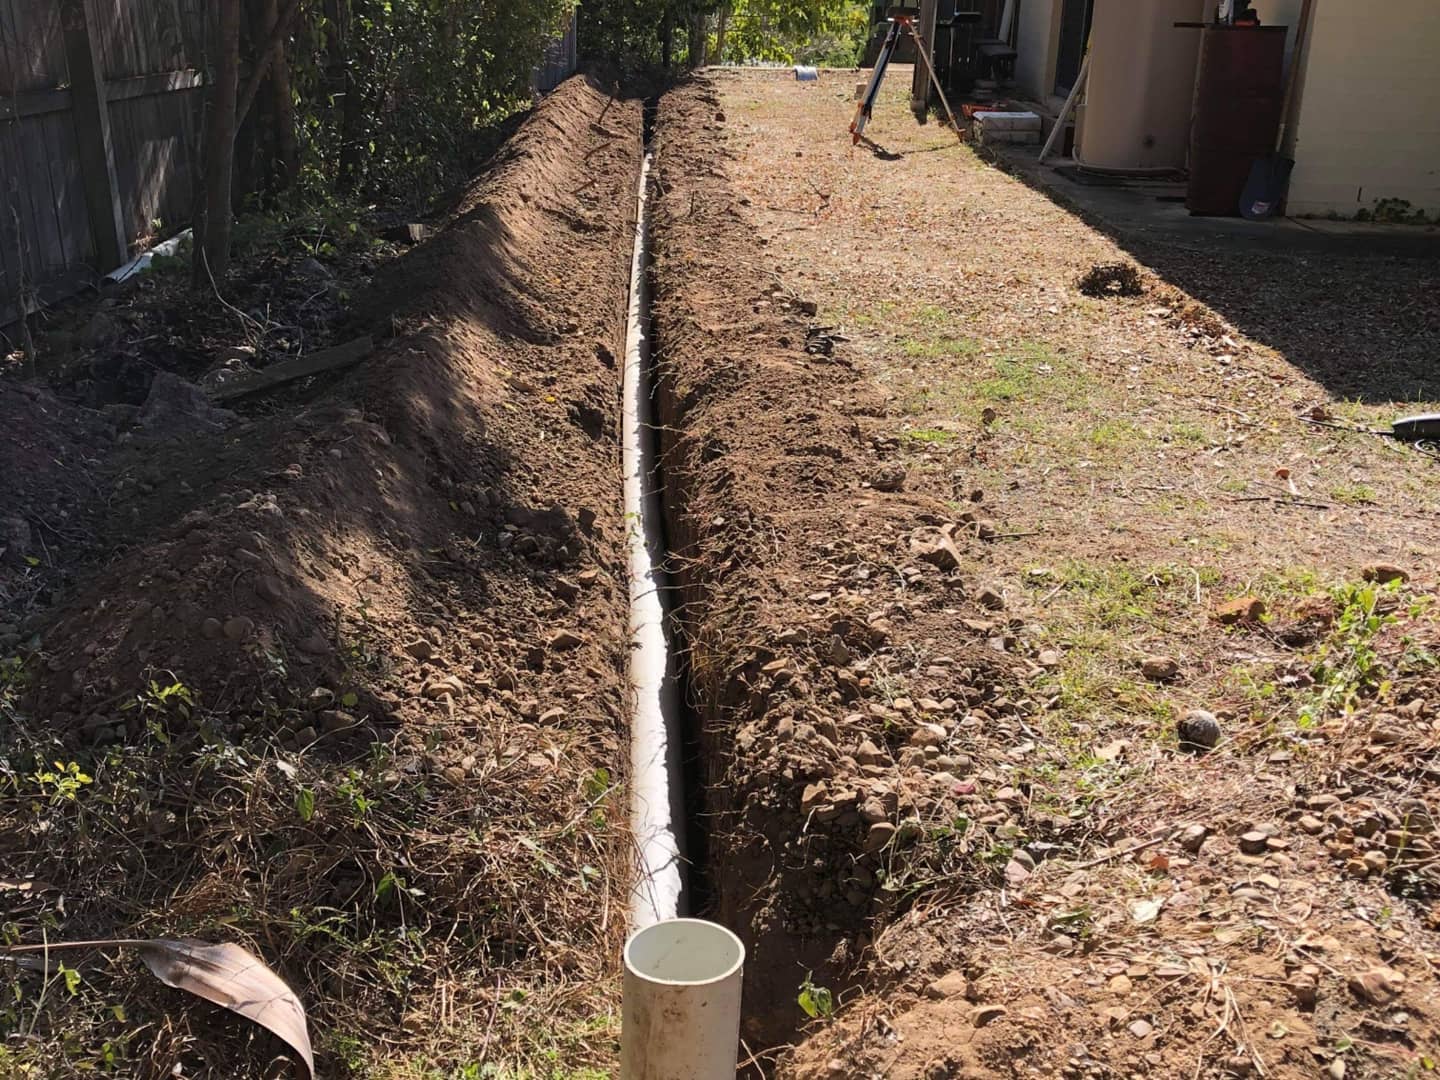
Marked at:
<point>1347,666</point>
<point>394,97</point>
<point>829,33</point>
<point>817,1001</point>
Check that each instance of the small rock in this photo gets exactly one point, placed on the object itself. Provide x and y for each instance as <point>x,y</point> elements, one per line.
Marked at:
<point>552,715</point>
<point>1336,1069</point>
<point>1357,868</point>
<point>438,686</point>
<point>565,639</point>
<point>211,629</point>
<point>955,984</point>
<point>1244,609</point>
<point>888,477</point>
<point>872,810</point>
<point>985,1014</point>
<point>1253,843</point>
<point>1141,1029</point>
<point>175,408</point>
<point>1376,861</point>
<point>986,530</point>
<point>879,834</point>
<point>1048,659</point>
<point>420,649</point>
<point>1159,668</point>
<point>1016,873</point>
<point>306,735</point>
<point>336,720</point>
<point>1198,730</point>
<point>1193,838</point>
<point>1311,824</point>
<point>1384,573</point>
<point>1378,986</point>
<point>1121,984</point>
<point>989,598</point>
<point>240,628</point>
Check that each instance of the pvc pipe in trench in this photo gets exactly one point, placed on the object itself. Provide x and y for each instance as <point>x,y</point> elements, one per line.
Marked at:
<point>681,1010</point>
<point>656,801</point>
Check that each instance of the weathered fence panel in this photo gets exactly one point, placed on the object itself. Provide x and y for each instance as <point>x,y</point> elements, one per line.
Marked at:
<point>99,134</point>
<point>79,189</point>
<point>559,61</point>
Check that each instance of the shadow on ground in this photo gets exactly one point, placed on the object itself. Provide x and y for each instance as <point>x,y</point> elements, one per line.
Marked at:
<point>1355,308</point>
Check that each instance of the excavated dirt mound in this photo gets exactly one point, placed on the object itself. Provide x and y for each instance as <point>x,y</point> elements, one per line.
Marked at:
<point>351,692</point>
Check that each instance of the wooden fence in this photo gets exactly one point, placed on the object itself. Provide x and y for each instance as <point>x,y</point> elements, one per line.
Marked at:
<point>98,135</point>
<point>559,61</point>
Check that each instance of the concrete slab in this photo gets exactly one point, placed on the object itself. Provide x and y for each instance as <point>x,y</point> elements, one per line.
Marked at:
<point>1149,212</point>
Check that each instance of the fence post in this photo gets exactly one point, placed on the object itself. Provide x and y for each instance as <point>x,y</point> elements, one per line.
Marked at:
<point>91,115</point>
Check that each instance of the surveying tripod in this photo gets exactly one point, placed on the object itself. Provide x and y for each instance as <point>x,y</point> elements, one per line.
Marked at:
<point>901,20</point>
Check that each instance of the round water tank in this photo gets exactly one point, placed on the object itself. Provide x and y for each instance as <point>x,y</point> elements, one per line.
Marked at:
<point>1141,85</point>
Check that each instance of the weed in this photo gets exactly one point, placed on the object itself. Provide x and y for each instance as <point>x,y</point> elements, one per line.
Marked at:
<point>1114,433</point>
<point>1354,494</point>
<point>1347,666</point>
<point>930,435</point>
<point>817,1001</point>
<point>937,348</point>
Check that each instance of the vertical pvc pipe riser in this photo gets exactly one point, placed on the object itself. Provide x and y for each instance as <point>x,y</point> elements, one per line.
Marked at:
<point>656,804</point>
<point>681,1010</point>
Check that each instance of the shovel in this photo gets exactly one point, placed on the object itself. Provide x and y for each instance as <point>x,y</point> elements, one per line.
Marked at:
<point>1270,175</point>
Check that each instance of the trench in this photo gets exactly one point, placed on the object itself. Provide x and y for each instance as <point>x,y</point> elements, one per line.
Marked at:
<point>667,781</point>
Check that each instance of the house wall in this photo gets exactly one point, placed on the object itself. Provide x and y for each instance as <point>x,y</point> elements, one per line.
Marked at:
<point>1368,122</point>
<point>1037,31</point>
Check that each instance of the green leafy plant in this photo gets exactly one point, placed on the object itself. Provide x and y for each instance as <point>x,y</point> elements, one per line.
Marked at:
<point>62,783</point>
<point>1347,666</point>
<point>816,1001</point>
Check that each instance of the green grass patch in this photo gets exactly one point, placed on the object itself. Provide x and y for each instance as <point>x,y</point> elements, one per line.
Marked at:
<point>1354,494</point>
<point>931,436</point>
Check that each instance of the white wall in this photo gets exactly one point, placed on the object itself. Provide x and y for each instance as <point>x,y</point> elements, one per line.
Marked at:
<point>1036,28</point>
<point>1368,123</point>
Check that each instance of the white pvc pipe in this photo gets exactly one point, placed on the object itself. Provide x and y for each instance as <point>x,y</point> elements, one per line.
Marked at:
<point>681,1011</point>
<point>656,804</point>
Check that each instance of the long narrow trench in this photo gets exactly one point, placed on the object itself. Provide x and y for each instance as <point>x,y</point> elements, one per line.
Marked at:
<point>666,799</point>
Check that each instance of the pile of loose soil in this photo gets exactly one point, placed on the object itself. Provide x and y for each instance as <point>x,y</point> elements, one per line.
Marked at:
<point>351,690</point>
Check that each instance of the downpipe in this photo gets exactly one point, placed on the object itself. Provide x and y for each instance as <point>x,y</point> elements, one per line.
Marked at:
<point>680,1015</point>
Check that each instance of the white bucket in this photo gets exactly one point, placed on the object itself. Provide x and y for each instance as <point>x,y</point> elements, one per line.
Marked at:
<point>681,1010</point>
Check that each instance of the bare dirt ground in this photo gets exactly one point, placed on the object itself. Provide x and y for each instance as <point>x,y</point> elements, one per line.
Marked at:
<point>964,548</point>
<point>338,677</point>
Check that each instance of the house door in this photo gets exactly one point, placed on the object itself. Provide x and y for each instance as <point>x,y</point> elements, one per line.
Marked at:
<point>1074,33</point>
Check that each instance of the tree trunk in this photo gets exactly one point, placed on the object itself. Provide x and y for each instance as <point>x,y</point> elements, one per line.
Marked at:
<point>282,154</point>
<point>721,26</point>
<point>214,258</point>
<point>695,40</point>
<point>667,38</point>
<point>352,109</point>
